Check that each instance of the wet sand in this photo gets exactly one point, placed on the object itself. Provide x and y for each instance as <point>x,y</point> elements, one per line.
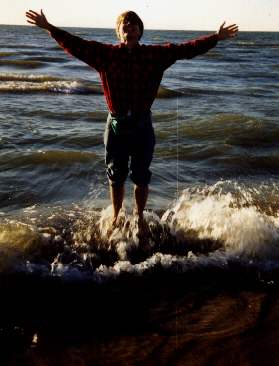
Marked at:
<point>164,321</point>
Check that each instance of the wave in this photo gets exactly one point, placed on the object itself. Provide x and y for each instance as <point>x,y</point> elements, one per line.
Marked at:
<point>257,44</point>
<point>246,91</point>
<point>79,67</point>
<point>38,52</point>
<point>214,54</point>
<point>193,91</point>
<point>25,64</point>
<point>249,164</point>
<point>258,74</point>
<point>164,116</point>
<point>246,43</point>
<point>69,140</point>
<point>20,46</point>
<point>53,86</point>
<point>31,83</point>
<point>94,116</point>
<point>97,116</point>
<point>164,92</point>
<point>28,77</point>
<point>48,59</point>
<point>205,228</point>
<point>237,59</point>
<point>5,54</point>
<point>226,128</point>
<point>46,158</point>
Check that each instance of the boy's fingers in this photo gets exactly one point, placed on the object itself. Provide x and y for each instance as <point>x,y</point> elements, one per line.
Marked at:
<point>33,12</point>
<point>30,15</point>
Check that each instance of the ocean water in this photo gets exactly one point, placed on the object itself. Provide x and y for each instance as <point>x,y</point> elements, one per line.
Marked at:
<point>214,196</point>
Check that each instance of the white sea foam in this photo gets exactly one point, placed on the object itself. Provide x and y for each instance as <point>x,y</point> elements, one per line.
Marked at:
<point>44,86</point>
<point>243,231</point>
<point>29,77</point>
<point>128,234</point>
<point>174,263</point>
<point>33,83</point>
<point>225,219</point>
<point>17,235</point>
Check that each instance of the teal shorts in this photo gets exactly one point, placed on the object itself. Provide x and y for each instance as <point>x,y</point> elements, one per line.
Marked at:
<point>129,149</point>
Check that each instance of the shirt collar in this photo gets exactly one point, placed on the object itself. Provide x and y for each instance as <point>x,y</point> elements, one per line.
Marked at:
<point>123,46</point>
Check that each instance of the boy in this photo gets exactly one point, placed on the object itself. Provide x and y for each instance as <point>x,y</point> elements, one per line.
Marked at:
<point>131,74</point>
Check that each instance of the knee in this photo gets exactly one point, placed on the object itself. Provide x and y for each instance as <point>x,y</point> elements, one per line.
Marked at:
<point>141,178</point>
<point>116,176</point>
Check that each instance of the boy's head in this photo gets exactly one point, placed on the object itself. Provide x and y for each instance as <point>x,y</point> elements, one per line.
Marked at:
<point>129,19</point>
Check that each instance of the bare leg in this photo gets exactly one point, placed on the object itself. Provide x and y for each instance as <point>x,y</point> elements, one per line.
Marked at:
<point>141,194</point>
<point>117,196</point>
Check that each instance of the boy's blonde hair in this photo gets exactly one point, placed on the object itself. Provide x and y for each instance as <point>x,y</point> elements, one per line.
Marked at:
<point>129,16</point>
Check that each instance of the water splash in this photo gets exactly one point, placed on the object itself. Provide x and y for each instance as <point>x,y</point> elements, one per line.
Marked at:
<point>235,220</point>
<point>207,227</point>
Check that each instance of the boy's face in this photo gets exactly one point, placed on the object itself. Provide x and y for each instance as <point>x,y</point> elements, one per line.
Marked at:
<point>129,31</point>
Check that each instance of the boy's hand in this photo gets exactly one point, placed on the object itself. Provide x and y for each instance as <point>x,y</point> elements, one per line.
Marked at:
<point>37,19</point>
<point>227,32</point>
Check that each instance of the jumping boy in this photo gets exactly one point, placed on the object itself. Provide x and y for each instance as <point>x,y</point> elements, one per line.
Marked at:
<point>131,74</point>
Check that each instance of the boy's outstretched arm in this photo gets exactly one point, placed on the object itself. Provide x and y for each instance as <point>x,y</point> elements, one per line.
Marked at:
<point>90,52</point>
<point>172,52</point>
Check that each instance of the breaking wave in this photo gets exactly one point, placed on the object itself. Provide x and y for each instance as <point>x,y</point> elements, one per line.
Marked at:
<point>27,64</point>
<point>24,83</point>
<point>33,83</point>
<point>204,230</point>
<point>46,158</point>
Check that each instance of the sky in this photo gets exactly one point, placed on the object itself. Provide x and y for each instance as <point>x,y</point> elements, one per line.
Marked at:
<point>250,15</point>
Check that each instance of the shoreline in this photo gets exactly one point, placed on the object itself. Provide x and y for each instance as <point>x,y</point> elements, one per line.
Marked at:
<point>205,321</point>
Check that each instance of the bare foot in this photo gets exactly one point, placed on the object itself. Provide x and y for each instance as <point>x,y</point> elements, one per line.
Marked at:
<point>113,222</point>
<point>116,222</point>
<point>111,227</point>
<point>142,224</point>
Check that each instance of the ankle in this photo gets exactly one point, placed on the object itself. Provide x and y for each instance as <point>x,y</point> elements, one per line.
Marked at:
<point>138,213</point>
<point>113,221</point>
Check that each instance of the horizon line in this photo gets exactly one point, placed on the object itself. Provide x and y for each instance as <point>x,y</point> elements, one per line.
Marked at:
<point>146,29</point>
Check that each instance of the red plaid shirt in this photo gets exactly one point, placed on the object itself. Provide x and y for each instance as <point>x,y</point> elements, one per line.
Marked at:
<point>130,78</point>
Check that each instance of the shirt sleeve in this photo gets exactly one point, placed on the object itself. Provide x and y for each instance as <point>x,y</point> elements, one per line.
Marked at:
<point>187,50</point>
<point>91,52</point>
